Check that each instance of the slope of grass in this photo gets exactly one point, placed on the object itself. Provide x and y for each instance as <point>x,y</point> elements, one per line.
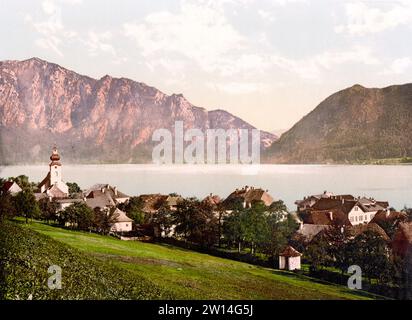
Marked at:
<point>192,275</point>
<point>26,255</point>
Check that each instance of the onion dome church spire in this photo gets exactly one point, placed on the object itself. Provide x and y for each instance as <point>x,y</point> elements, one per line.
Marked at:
<point>55,158</point>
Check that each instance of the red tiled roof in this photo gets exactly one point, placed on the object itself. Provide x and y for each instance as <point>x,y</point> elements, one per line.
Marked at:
<point>7,185</point>
<point>290,252</point>
<point>335,216</point>
<point>374,227</point>
<point>392,216</point>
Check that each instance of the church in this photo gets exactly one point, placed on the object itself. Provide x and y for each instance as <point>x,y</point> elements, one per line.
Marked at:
<point>53,185</point>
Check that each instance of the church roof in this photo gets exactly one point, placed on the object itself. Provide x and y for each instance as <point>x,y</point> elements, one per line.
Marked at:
<point>55,192</point>
<point>55,155</point>
<point>45,181</point>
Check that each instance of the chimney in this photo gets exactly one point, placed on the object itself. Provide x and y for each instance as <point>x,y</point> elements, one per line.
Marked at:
<point>115,191</point>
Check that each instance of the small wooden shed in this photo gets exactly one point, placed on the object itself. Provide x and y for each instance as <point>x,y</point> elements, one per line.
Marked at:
<point>289,259</point>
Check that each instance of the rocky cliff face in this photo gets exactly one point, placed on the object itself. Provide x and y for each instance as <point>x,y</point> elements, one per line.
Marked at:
<point>355,124</point>
<point>105,120</point>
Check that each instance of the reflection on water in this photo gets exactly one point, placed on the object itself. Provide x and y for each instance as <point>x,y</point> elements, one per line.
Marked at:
<point>286,182</point>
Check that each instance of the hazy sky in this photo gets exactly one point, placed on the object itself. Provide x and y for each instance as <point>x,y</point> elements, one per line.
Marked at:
<point>267,61</point>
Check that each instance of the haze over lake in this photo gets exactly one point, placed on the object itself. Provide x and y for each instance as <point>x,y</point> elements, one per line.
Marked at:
<point>286,182</point>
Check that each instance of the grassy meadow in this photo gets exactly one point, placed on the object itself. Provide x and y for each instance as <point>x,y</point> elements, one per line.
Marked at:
<point>175,273</point>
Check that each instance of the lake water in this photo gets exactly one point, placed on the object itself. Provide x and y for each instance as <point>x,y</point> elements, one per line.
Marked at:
<point>286,182</point>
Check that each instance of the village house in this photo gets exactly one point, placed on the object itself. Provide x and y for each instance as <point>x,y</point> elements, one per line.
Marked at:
<point>153,202</point>
<point>309,201</point>
<point>212,200</point>
<point>104,195</point>
<point>329,209</point>
<point>10,187</point>
<point>123,222</point>
<point>289,259</point>
<point>247,196</point>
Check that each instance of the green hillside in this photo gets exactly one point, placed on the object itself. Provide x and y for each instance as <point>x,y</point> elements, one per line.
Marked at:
<point>354,125</point>
<point>182,273</point>
<point>26,255</point>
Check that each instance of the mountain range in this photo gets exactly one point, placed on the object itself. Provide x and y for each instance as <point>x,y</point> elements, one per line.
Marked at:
<point>111,120</point>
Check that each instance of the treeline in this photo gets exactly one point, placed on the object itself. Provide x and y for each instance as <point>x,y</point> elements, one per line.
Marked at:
<point>258,229</point>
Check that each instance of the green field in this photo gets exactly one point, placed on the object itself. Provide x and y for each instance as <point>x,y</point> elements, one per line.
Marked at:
<point>184,274</point>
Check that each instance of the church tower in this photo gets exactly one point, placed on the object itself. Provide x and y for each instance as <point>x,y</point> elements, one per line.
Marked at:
<point>55,168</point>
<point>53,184</point>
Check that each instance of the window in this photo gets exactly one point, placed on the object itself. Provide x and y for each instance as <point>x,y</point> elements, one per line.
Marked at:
<point>360,218</point>
<point>356,218</point>
<point>351,219</point>
<point>356,208</point>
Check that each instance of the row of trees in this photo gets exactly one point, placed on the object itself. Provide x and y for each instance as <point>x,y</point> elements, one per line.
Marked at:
<point>260,228</point>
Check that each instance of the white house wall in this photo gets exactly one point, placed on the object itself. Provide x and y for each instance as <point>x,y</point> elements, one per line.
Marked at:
<point>121,227</point>
<point>358,216</point>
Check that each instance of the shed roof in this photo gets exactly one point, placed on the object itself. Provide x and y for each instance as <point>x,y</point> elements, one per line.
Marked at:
<point>289,251</point>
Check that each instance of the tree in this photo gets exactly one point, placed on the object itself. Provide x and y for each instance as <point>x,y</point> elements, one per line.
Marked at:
<point>277,207</point>
<point>281,229</point>
<point>48,209</point>
<point>232,229</point>
<point>104,219</point>
<point>408,212</point>
<point>77,216</point>
<point>254,225</point>
<point>372,253</point>
<point>73,188</point>
<point>338,237</point>
<point>26,205</point>
<point>163,220</point>
<point>134,210</point>
<point>317,252</point>
<point>7,206</point>
<point>196,222</point>
<point>2,182</point>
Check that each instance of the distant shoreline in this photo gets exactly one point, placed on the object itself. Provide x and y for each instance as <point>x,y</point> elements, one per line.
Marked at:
<point>377,162</point>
